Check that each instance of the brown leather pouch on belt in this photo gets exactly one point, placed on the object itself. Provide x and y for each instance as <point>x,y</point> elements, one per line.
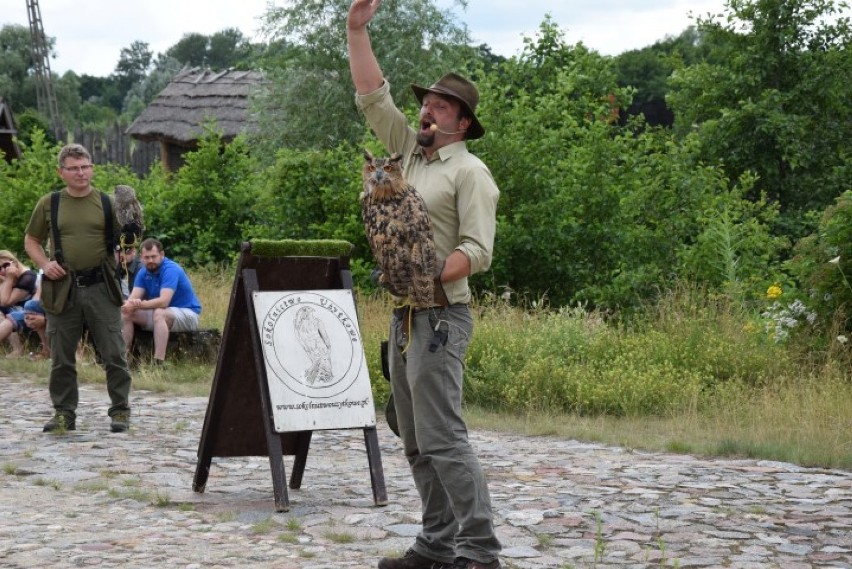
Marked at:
<point>440,295</point>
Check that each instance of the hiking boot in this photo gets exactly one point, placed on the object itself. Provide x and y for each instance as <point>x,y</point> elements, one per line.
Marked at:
<point>120,422</point>
<point>465,563</point>
<point>60,423</point>
<point>412,560</point>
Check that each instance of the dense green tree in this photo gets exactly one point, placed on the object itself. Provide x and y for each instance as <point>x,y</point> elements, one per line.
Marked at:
<point>16,64</point>
<point>148,88</point>
<point>191,50</point>
<point>309,100</point>
<point>101,91</point>
<point>230,48</point>
<point>773,99</point>
<point>225,49</point>
<point>647,71</point>
<point>95,115</point>
<point>17,85</point>
<point>133,64</point>
<point>597,213</point>
<point>67,92</point>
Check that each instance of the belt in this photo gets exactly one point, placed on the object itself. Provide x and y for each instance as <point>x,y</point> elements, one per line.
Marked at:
<point>425,308</point>
<point>88,277</point>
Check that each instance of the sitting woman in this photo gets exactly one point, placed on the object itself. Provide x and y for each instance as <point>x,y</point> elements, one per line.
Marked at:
<point>17,285</point>
<point>18,325</point>
<point>17,282</point>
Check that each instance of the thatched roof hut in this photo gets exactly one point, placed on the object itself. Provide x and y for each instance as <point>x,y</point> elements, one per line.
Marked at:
<point>176,116</point>
<point>8,146</point>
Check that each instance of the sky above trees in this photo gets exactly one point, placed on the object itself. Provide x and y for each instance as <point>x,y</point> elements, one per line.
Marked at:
<point>90,42</point>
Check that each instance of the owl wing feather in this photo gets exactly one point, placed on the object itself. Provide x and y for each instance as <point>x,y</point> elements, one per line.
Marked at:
<point>423,258</point>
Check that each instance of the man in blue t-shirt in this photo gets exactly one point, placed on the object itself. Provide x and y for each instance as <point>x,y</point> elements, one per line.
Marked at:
<point>162,300</point>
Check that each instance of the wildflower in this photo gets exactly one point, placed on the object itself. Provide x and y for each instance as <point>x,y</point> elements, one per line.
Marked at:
<point>842,339</point>
<point>774,292</point>
<point>781,320</point>
<point>835,261</point>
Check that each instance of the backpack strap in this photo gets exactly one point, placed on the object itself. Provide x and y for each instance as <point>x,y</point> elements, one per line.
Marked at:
<point>109,232</point>
<point>54,227</point>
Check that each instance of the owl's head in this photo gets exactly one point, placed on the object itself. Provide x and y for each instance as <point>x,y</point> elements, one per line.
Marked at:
<point>125,192</point>
<point>383,177</point>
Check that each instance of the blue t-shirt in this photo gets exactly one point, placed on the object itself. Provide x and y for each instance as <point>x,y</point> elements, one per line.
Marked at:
<point>169,275</point>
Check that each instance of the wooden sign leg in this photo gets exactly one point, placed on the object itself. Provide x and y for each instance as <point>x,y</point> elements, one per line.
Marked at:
<point>371,439</point>
<point>377,473</point>
<point>202,471</point>
<point>303,442</point>
<point>273,439</point>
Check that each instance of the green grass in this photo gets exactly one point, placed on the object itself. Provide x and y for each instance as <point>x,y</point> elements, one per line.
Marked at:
<point>694,374</point>
<point>265,526</point>
<point>339,537</point>
<point>293,524</point>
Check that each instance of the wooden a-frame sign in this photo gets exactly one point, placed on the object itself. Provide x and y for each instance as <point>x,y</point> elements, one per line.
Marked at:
<point>239,418</point>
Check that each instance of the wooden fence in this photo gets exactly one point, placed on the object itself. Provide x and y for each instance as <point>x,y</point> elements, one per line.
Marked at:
<point>112,146</point>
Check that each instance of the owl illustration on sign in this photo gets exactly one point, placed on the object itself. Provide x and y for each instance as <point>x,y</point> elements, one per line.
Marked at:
<point>314,339</point>
<point>399,230</point>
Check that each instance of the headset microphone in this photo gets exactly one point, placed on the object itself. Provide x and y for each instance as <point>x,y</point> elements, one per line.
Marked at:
<point>434,128</point>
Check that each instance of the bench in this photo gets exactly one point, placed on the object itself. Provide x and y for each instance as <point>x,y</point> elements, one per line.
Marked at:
<point>202,345</point>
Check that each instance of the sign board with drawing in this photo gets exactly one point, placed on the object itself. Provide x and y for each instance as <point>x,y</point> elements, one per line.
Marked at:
<point>291,362</point>
<point>314,359</point>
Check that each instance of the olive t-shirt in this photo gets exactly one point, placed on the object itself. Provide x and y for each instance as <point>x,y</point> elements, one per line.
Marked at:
<point>81,228</point>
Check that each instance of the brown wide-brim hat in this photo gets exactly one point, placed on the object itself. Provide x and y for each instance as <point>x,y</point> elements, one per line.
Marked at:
<point>458,87</point>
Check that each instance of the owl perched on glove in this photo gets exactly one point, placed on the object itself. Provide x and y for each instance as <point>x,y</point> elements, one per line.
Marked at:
<point>128,212</point>
<point>399,230</point>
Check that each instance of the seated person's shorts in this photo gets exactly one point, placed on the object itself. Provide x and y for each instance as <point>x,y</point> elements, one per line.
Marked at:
<point>17,316</point>
<point>186,320</point>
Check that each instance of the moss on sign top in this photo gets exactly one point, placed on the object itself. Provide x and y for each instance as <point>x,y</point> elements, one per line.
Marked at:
<point>301,248</point>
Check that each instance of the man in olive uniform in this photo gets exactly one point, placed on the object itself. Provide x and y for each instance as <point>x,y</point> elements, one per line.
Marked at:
<point>84,248</point>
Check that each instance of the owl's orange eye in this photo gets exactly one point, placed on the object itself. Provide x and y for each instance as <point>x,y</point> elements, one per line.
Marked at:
<point>371,168</point>
<point>388,167</point>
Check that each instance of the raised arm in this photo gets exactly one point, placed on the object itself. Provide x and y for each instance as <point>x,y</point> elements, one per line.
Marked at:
<point>366,73</point>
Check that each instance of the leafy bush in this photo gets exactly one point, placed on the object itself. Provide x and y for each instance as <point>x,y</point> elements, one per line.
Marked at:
<point>204,212</point>
<point>22,183</point>
<point>572,360</point>
<point>313,194</point>
<point>822,263</point>
<point>734,250</point>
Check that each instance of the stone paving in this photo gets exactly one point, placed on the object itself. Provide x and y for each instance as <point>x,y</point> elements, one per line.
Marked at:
<point>90,498</point>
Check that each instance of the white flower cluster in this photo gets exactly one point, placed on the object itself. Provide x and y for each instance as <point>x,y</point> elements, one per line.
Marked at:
<point>781,319</point>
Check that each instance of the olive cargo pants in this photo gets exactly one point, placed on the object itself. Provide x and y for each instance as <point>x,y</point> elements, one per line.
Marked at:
<point>91,306</point>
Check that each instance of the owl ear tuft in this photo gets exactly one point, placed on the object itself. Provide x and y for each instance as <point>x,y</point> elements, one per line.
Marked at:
<point>396,157</point>
<point>368,156</point>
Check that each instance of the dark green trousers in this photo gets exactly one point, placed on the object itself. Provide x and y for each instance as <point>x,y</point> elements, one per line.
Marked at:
<point>90,306</point>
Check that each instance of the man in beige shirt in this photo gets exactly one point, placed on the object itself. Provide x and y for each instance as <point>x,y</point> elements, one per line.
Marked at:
<point>427,364</point>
